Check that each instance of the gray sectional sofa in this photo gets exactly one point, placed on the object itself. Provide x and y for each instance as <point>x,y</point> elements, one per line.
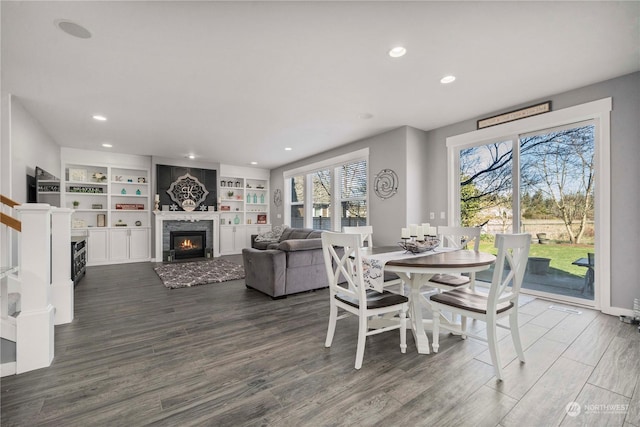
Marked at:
<point>292,264</point>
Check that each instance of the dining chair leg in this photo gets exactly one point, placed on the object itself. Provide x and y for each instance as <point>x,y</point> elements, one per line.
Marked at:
<point>403,331</point>
<point>515,334</point>
<point>333,318</point>
<point>463,327</point>
<point>362,339</point>
<point>436,330</point>
<point>492,340</point>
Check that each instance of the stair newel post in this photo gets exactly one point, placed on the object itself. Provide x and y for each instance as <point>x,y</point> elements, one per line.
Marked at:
<point>61,283</point>
<point>34,324</point>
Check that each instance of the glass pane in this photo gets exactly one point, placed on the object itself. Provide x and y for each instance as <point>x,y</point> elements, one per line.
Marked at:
<point>486,191</point>
<point>353,194</point>
<point>297,202</point>
<point>353,180</point>
<point>354,213</point>
<point>557,205</point>
<point>321,184</point>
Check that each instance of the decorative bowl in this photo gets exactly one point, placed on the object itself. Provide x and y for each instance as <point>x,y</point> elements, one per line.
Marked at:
<point>419,246</point>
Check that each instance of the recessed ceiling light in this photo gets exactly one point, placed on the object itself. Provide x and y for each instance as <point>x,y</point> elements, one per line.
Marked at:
<point>254,163</point>
<point>190,156</point>
<point>397,52</point>
<point>288,148</point>
<point>365,116</point>
<point>447,79</point>
<point>107,145</point>
<point>99,118</point>
<point>73,29</point>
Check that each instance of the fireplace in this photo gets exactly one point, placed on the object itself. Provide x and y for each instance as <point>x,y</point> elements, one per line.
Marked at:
<point>188,244</point>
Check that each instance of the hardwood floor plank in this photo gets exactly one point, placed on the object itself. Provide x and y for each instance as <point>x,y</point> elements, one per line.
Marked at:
<point>569,328</point>
<point>545,403</point>
<point>529,334</point>
<point>589,347</point>
<point>138,353</point>
<point>619,367</point>
<point>598,407</point>
<point>519,378</point>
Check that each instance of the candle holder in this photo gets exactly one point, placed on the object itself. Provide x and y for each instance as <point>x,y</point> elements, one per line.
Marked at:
<point>419,246</point>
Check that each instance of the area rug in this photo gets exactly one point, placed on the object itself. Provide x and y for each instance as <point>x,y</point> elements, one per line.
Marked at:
<point>187,274</point>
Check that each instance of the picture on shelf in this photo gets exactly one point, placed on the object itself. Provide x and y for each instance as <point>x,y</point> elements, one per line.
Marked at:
<point>262,219</point>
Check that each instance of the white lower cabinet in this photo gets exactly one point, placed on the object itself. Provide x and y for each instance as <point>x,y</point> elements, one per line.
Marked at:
<point>129,244</point>
<point>232,239</point>
<point>97,246</point>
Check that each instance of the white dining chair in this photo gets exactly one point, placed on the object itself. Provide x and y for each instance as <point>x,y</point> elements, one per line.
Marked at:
<point>343,261</point>
<point>365,232</point>
<point>366,240</point>
<point>458,238</point>
<point>502,300</point>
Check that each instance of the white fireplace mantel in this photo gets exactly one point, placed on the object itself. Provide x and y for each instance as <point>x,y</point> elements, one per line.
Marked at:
<point>162,216</point>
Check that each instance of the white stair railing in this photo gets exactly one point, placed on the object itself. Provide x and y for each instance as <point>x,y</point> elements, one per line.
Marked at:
<point>34,323</point>
<point>62,285</point>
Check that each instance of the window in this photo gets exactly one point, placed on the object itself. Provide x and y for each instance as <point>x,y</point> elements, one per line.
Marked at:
<point>322,206</point>
<point>296,204</point>
<point>353,194</point>
<point>548,176</point>
<point>336,192</point>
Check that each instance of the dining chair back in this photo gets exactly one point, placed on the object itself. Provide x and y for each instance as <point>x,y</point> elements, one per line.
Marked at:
<point>458,238</point>
<point>502,300</point>
<point>365,232</point>
<point>343,261</point>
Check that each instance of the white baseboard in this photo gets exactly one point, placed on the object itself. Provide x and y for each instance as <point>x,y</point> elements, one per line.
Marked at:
<point>8,368</point>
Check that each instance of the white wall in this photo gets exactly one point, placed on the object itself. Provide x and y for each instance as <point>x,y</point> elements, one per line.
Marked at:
<point>30,146</point>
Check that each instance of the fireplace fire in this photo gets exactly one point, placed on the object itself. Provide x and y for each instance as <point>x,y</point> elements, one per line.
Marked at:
<point>188,244</point>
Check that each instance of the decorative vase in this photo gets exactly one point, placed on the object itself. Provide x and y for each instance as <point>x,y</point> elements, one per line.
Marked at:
<point>255,198</point>
<point>262,198</point>
<point>236,220</point>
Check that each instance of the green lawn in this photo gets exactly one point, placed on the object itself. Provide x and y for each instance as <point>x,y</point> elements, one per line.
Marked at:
<point>561,254</point>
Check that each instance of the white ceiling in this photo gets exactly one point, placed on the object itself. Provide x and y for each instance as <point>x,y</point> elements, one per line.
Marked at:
<point>235,82</point>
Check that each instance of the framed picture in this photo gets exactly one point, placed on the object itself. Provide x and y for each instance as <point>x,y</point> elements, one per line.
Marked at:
<point>77,175</point>
<point>142,179</point>
<point>262,219</point>
<point>102,219</point>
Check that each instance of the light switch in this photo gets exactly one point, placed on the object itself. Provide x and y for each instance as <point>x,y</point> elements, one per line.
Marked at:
<point>279,216</point>
<point>442,215</point>
<point>432,215</point>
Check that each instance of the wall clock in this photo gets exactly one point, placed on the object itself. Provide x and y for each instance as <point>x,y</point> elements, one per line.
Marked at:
<point>385,184</point>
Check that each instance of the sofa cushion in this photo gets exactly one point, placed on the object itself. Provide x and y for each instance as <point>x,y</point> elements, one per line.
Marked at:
<point>300,245</point>
<point>296,233</point>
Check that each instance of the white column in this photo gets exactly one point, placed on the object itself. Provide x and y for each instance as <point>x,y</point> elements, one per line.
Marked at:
<point>61,283</point>
<point>34,324</point>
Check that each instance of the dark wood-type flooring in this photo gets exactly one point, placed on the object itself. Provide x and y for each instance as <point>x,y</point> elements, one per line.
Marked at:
<point>223,355</point>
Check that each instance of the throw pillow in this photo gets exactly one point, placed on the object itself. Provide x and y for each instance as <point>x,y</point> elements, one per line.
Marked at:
<point>273,235</point>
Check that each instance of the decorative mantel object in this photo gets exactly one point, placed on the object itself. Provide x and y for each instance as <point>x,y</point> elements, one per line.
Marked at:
<point>522,113</point>
<point>385,184</point>
<point>188,192</point>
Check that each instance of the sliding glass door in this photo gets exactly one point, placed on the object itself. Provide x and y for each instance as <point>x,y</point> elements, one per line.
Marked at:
<point>540,183</point>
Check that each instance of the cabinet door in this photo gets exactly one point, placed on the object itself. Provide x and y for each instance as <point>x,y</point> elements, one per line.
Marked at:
<point>226,239</point>
<point>119,244</point>
<point>97,246</point>
<point>139,244</point>
<point>239,239</point>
